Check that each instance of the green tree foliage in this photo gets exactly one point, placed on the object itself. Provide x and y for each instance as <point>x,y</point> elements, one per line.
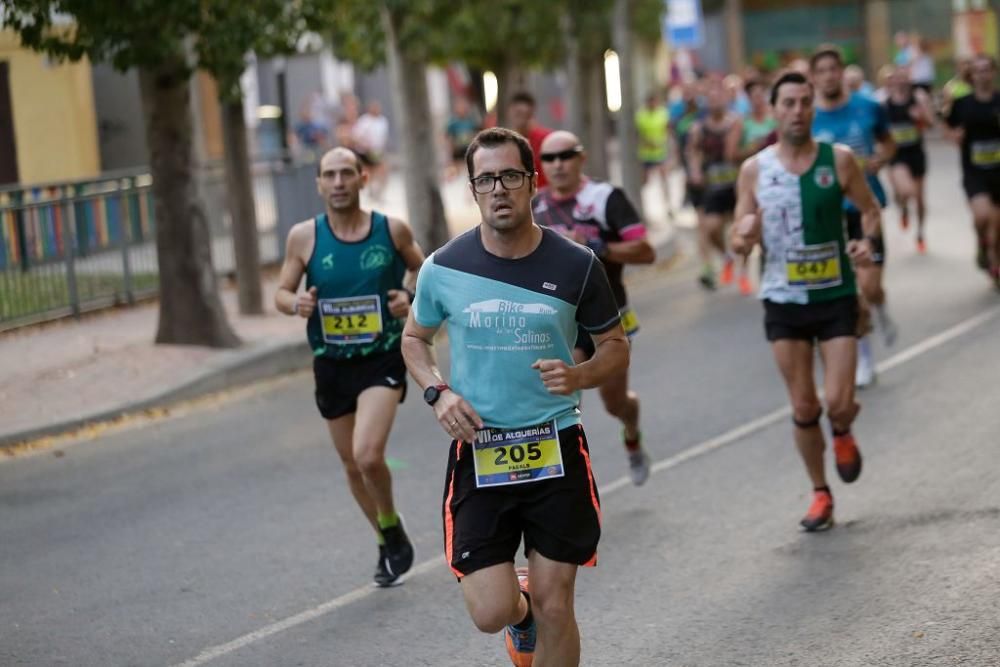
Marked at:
<point>167,40</point>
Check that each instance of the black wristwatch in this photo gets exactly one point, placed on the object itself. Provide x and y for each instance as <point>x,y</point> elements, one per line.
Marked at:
<point>433,393</point>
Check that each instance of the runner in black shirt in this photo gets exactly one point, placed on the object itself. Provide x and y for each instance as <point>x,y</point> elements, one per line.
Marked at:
<point>976,119</point>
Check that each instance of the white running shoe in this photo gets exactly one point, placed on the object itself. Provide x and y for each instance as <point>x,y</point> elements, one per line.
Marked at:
<point>638,466</point>
<point>864,374</point>
<point>888,327</point>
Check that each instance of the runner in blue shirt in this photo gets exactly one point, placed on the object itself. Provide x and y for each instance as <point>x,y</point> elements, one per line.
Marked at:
<point>512,295</point>
<point>862,124</point>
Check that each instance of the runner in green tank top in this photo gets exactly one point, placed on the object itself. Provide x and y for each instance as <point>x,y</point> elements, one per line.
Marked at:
<point>790,199</point>
<point>354,262</point>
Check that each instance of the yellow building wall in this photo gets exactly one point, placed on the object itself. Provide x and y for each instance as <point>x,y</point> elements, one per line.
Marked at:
<point>55,124</point>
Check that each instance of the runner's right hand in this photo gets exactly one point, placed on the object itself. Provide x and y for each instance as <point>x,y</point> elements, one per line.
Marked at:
<point>457,417</point>
<point>747,233</point>
<point>305,303</point>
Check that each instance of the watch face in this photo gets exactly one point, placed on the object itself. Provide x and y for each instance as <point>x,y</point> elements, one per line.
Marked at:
<point>431,395</point>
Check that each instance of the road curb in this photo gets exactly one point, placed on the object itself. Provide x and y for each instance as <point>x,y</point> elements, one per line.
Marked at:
<point>232,369</point>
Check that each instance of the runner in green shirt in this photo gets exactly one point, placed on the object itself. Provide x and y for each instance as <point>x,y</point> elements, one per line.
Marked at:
<point>653,124</point>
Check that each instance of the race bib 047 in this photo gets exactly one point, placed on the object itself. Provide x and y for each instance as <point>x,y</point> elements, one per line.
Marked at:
<point>351,320</point>
<point>517,455</point>
<point>814,266</point>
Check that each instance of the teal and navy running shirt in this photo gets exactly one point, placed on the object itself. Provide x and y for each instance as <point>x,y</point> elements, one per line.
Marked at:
<point>503,315</point>
<point>352,318</point>
<point>859,123</point>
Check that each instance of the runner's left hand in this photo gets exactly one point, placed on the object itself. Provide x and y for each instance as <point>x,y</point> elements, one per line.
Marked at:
<point>399,303</point>
<point>860,251</point>
<point>558,376</point>
<point>874,165</point>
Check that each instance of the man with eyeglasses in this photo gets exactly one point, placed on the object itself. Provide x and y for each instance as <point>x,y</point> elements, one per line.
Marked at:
<point>599,216</point>
<point>512,295</point>
<point>354,262</point>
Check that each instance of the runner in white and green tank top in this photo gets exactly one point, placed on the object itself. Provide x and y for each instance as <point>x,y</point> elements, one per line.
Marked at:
<point>803,231</point>
<point>790,201</point>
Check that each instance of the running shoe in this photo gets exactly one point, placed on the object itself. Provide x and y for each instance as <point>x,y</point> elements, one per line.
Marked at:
<point>521,643</point>
<point>848,457</point>
<point>398,550</point>
<point>726,277</point>
<point>864,374</point>
<point>820,514</point>
<point>639,466</point>
<point>921,247</point>
<point>887,326</point>
<point>383,578</point>
<point>746,287</point>
<point>707,280</point>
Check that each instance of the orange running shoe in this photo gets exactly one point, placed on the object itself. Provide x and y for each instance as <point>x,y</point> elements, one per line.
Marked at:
<point>921,247</point>
<point>848,457</point>
<point>726,277</point>
<point>820,514</point>
<point>521,643</point>
<point>746,288</point>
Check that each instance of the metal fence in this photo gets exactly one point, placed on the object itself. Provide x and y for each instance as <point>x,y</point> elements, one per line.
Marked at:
<point>70,247</point>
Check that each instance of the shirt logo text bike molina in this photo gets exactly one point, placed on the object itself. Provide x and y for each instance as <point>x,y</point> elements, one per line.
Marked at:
<point>511,318</point>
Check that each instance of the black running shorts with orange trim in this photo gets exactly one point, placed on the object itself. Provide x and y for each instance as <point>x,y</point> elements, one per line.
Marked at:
<point>559,517</point>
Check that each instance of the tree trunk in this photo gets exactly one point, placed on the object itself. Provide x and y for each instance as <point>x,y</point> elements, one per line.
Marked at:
<point>576,107</point>
<point>191,312</point>
<point>627,137</point>
<point>412,108</point>
<point>239,187</point>
<point>511,78</point>
<point>595,117</point>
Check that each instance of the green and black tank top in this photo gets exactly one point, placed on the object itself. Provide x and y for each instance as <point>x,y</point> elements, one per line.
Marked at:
<point>352,318</point>
<point>803,236</point>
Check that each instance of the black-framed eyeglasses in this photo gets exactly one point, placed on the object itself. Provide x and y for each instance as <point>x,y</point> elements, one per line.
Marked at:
<point>510,180</point>
<point>565,155</point>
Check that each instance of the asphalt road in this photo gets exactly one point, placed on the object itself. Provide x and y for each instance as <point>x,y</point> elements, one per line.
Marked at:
<point>227,536</point>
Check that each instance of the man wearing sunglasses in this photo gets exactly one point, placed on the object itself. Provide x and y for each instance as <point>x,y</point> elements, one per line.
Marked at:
<point>601,217</point>
<point>512,295</point>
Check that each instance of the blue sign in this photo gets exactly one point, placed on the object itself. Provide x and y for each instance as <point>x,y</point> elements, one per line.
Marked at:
<point>683,27</point>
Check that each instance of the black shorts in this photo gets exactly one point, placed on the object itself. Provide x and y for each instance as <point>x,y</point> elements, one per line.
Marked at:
<point>811,321</point>
<point>559,517</point>
<point>980,182</point>
<point>856,232</point>
<point>339,382</point>
<point>914,158</point>
<point>720,201</point>
<point>695,195</point>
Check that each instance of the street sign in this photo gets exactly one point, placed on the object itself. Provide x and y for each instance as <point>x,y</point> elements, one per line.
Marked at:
<point>682,26</point>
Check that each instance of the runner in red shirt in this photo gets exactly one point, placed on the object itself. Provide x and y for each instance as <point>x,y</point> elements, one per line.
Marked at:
<point>521,116</point>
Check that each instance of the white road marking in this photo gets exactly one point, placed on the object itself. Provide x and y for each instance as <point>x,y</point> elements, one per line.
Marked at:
<point>729,437</point>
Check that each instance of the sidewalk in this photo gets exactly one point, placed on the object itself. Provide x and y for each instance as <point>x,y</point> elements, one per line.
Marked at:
<point>64,375</point>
